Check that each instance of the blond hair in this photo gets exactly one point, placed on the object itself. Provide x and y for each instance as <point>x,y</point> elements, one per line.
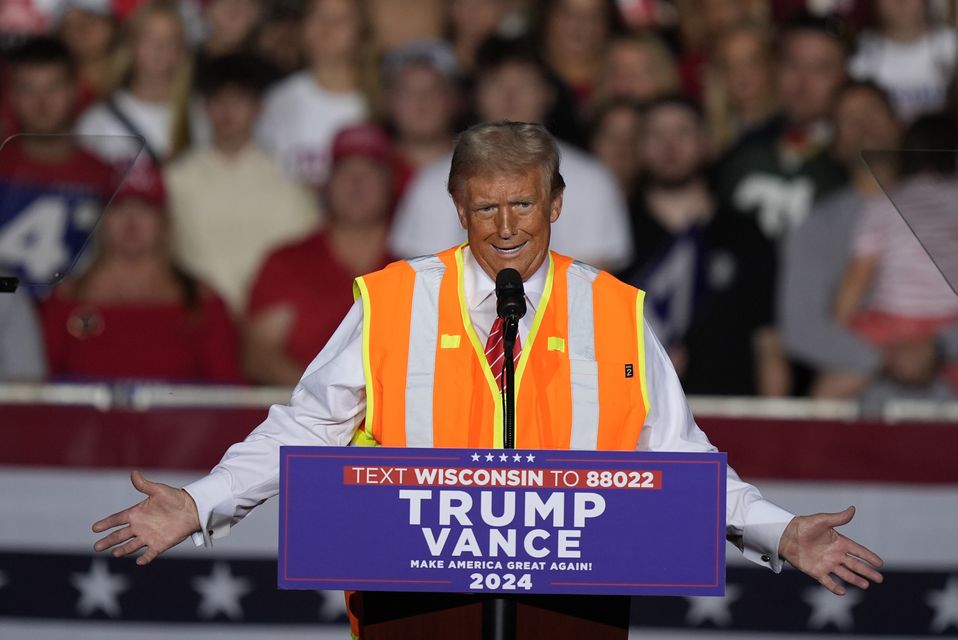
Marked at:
<point>494,148</point>
<point>180,135</point>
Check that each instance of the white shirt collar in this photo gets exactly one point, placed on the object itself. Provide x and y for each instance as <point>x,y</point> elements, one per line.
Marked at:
<point>479,286</point>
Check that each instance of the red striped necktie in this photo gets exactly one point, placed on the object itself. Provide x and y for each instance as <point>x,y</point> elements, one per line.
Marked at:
<point>496,351</point>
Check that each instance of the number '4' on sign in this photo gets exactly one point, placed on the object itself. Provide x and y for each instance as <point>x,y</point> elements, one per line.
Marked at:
<point>36,240</point>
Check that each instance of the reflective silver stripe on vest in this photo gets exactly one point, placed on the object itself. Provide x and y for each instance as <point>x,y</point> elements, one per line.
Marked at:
<point>423,336</point>
<point>583,368</point>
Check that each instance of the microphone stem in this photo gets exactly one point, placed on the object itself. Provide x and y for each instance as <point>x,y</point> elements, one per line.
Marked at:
<point>499,613</point>
<point>510,331</point>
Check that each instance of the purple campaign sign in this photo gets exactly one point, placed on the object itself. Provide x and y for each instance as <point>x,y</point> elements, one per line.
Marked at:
<point>495,521</point>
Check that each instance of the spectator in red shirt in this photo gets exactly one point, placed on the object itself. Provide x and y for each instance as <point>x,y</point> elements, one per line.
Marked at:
<point>133,313</point>
<point>304,289</point>
<point>51,191</point>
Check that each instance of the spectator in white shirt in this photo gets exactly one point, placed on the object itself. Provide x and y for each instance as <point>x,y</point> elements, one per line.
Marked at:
<point>512,84</point>
<point>153,102</point>
<point>909,56</point>
<point>303,112</point>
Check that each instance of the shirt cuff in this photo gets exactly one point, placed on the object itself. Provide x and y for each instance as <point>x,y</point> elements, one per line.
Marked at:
<point>762,533</point>
<point>214,506</point>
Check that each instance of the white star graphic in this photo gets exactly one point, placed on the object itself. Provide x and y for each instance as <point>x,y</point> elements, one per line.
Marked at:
<point>475,457</point>
<point>333,606</point>
<point>220,592</point>
<point>711,609</point>
<point>86,216</point>
<point>489,457</point>
<point>517,458</point>
<point>945,604</point>
<point>827,608</point>
<point>531,458</point>
<point>99,589</point>
<point>503,457</point>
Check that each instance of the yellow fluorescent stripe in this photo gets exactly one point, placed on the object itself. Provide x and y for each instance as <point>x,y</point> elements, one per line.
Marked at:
<point>447,341</point>
<point>480,352</point>
<point>556,344</point>
<point>640,321</point>
<point>360,286</point>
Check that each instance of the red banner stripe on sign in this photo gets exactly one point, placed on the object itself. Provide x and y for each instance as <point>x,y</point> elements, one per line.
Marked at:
<point>195,439</point>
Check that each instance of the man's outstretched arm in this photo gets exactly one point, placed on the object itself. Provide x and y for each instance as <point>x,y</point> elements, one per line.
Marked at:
<point>163,520</point>
<point>766,533</point>
<point>325,409</point>
<point>811,545</point>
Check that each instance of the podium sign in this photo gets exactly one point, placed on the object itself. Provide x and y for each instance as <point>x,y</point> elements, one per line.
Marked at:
<point>502,521</point>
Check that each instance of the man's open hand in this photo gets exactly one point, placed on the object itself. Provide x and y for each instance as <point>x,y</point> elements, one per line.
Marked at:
<point>161,521</point>
<point>811,544</point>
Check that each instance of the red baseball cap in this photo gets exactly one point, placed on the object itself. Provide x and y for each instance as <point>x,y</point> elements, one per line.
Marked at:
<point>144,181</point>
<point>365,140</point>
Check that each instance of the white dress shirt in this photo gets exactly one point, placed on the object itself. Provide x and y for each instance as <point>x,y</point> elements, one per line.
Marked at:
<point>329,403</point>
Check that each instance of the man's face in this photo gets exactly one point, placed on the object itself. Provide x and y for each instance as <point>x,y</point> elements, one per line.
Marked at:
<point>630,72</point>
<point>745,68</point>
<point>673,145</point>
<point>43,98</point>
<point>812,69</point>
<point>159,47</point>
<point>507,219</point>
<point>359,191</point>
<point>515,91</point>
<point>422,103</point>
<point>232,112</point>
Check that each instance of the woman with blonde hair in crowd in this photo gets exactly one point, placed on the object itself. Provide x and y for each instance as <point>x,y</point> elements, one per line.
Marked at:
<point>152,98</point>
<point>739,85</point>
<point>639,67</point>
<point>302,114</point>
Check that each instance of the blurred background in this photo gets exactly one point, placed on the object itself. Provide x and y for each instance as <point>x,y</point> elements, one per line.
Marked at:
<point>188,188</point>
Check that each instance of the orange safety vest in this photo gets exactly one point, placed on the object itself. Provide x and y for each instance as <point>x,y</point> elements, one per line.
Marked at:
<point>580,380</point>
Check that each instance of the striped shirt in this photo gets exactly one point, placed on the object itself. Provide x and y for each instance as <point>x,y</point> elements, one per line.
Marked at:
<point>907,282</point>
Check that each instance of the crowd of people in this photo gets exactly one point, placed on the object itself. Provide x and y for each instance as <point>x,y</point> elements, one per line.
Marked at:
<point>263,153</point>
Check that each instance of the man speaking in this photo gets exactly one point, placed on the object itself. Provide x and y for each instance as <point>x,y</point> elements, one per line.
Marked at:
<point>417,362</point>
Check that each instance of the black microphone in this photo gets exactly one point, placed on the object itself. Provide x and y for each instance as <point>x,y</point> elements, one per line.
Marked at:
<point>510,296</point>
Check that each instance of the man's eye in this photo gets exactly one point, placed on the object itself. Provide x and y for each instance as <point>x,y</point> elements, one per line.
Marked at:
<point>486,209</point>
